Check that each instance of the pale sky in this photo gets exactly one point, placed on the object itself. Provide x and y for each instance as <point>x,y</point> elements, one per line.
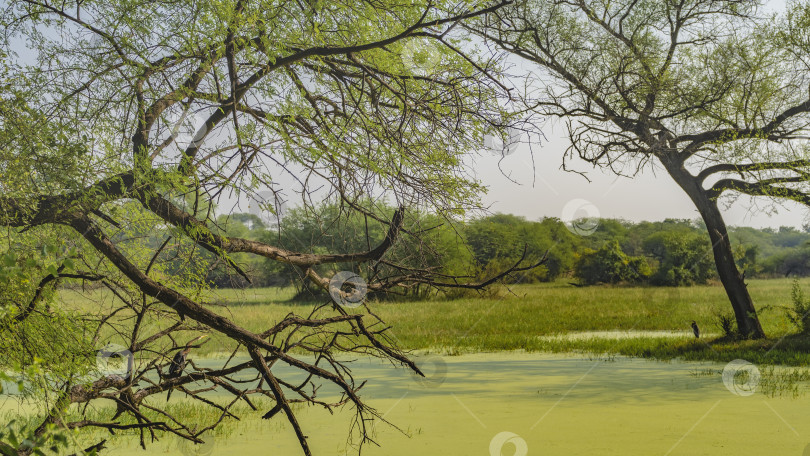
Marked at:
<point>651,196</point>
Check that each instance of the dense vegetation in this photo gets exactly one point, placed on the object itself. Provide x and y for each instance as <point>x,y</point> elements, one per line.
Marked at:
<point>670,252</point>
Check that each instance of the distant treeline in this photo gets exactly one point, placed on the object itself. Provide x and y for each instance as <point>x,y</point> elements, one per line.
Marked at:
<point>670,252</point>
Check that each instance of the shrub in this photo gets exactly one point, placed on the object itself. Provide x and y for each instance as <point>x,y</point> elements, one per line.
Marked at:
<point>610,264</point>
<point>684,257</point>
<point>799,312</point>
<point>726,323</point>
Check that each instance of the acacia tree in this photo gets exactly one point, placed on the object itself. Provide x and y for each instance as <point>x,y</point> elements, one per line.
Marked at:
<point>713,93</point>
<point>122,119</point>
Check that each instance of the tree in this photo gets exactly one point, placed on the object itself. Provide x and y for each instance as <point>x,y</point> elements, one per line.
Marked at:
<point>609,264</point>
<point>708,90</point>
<point>498,240</point>
<point>129,121</point>
<point>682,257</point>
<point>794,262</point>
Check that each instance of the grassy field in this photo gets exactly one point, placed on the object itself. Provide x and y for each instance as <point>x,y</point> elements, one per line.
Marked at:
<point>525,316</point>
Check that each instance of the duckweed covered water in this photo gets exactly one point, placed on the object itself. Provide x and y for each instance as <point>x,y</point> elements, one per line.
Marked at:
<point>539,404</point>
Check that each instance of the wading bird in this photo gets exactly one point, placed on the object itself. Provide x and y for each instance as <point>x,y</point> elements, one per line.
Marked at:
<point>695,330</point>
<point>179,363</point>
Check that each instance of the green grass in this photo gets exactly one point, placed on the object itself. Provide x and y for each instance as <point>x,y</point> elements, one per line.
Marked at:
<point>517,319</point>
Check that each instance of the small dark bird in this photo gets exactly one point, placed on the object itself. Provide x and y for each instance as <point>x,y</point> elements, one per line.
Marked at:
<point>179,363</point>
<point>696,330</point>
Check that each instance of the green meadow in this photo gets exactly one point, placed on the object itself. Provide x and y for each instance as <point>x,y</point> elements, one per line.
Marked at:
<point>538,317</point>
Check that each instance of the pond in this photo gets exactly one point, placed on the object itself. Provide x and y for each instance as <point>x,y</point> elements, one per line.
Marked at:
<point>540,404</point>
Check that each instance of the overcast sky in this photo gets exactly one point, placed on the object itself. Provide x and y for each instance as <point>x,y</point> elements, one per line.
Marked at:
<point>549,191</point>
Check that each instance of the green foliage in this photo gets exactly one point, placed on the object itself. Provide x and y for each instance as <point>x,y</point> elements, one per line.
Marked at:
<point>788,262</point>
<point>799,311</point>
<point>779,252</point>
<point>746,258</point>
<point>677,251</point>
<point>17,438</point>
<point>498,241</point>
<point>609,264</point>
<point>727,324</point>
<point>684,257</point>
<point>57,344</point>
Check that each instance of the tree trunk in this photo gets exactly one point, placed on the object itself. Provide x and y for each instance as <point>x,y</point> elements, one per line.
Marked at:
<point>734,283</point>
<point>744,312</point>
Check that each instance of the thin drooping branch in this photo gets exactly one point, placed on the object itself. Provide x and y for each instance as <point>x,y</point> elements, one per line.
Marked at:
<point>281,400</point>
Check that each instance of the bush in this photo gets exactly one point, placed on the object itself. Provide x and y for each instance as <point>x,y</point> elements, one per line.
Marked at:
<point>794,262</point>
<point>498,241</point>
<point>610,264</point>
<point>727,324</point>
<point>684,257</point>
<point>799,312</point>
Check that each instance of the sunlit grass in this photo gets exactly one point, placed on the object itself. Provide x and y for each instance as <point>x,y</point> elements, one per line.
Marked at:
<point>520,318</point>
